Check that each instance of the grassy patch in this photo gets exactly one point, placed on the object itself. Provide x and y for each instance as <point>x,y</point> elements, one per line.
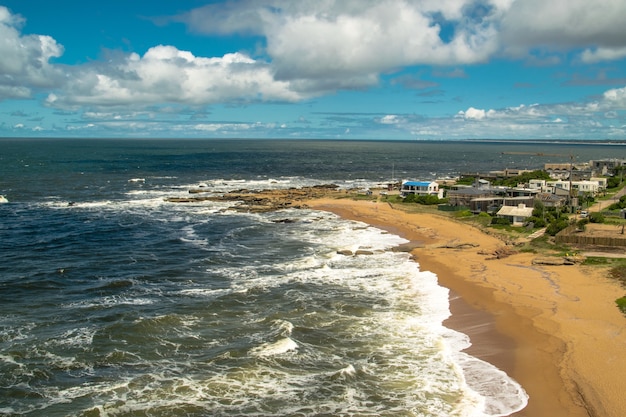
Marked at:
<point>621,304</point>
<point>546,244</point>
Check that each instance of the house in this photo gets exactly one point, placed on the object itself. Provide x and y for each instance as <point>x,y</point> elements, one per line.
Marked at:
<point>551,200</point>
<point>586,187</point>
<point>481,197</point>
<point>537,184</point>
<point>517,215</point>
<point>559,185</point>
<point>558,171</point>
<point>462,196</point>
<point>606,166</point>
<point>602,182</point>
<point>485,204</point>
<point>421,188</point>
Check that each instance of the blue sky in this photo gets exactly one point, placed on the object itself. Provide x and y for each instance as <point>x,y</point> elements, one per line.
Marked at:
<point>324,69</point>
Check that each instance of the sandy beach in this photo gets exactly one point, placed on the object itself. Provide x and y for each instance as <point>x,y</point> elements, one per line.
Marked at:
<point>555,329</point>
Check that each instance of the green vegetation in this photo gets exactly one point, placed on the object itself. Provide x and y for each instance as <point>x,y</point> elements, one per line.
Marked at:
<point>619,273</point>
<point>463,213</point>
<point>554,219</point>
<point>524,178</point>
<point>619,205</point>
<point>596,217</point>
<point>615,182</point>
<point>466,181</point>
<point>621,304</point>
<point>427,200</point>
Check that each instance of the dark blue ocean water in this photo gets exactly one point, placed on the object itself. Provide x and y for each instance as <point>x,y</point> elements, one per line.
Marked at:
<point>116,302</point>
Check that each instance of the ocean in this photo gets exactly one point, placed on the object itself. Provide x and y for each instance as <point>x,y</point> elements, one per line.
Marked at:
<point>114,302</point>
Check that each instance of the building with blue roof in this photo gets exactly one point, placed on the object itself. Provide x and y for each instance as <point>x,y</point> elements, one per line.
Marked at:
<point>421,188</point>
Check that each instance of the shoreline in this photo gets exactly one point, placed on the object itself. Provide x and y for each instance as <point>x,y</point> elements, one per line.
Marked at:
<point>542,325</point>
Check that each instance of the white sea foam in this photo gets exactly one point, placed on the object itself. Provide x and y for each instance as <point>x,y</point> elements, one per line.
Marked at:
<point>111,301</point>
<point>350,327</point>
<point>79,337</point>
<point>275,348</point>
<point>415,322</point>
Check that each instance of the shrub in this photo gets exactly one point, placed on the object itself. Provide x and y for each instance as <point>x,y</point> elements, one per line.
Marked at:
<point>500,221</point>
<point>619,205</point>
<point>613,182</point>
<point>538,222</point>
<point>555,227</point>
<point>409,198</point>
<point>427,200</point>
<point>596,217</point>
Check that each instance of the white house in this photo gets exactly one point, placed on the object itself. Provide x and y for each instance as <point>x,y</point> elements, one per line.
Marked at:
<point>591,187</point>
<point>421,188</point>
<point>517,214</point>
<point>553,186</point>
<point>537,184</point>
<point>602,182</point>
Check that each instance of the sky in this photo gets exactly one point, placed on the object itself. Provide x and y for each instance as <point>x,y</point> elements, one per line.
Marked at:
<point>314,69</point>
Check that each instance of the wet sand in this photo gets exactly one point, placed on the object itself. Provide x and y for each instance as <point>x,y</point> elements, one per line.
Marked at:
<point>554,329</point>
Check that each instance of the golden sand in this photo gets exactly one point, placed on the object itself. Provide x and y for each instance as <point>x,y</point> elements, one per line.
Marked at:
<point>554,329</point>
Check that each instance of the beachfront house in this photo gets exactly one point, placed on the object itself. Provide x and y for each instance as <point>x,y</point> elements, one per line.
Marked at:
<point>517,215</point>
<point>478,198</point>
<point>421,188</point>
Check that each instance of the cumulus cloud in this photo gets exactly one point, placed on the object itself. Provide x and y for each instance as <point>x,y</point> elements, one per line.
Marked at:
<point>165,74</point>
<point>311,48</point>
<point>25,63</point>
<point>562,24</point>
<point>615,99</point>
<point>357,40</point>
<point>476,114</point>
<point>390,119</point>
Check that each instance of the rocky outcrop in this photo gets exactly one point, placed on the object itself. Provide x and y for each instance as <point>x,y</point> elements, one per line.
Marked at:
<point>499,253</point>
<point>458,245</point>
<point>264,200</point>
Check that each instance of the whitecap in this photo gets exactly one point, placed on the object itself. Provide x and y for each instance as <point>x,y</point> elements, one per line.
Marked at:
<point>284,327</point>
<point>344,373</point>
<point>275,348</point>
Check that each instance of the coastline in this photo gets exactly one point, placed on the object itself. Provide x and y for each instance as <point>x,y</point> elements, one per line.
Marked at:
<point>554,329</point>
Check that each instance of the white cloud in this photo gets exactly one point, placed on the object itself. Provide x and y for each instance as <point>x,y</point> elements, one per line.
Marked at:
<point>590,56</point>
<point>615,98</point>
<point>351,41</point>
<point>25,65</point>
<point>561,24</point>
<point>165,74</point>
<point>390,119</point>
<point>477,114</point>
<point>334,44</point>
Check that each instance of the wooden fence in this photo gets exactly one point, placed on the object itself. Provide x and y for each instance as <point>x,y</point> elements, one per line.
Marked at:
<point>571,237</point>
